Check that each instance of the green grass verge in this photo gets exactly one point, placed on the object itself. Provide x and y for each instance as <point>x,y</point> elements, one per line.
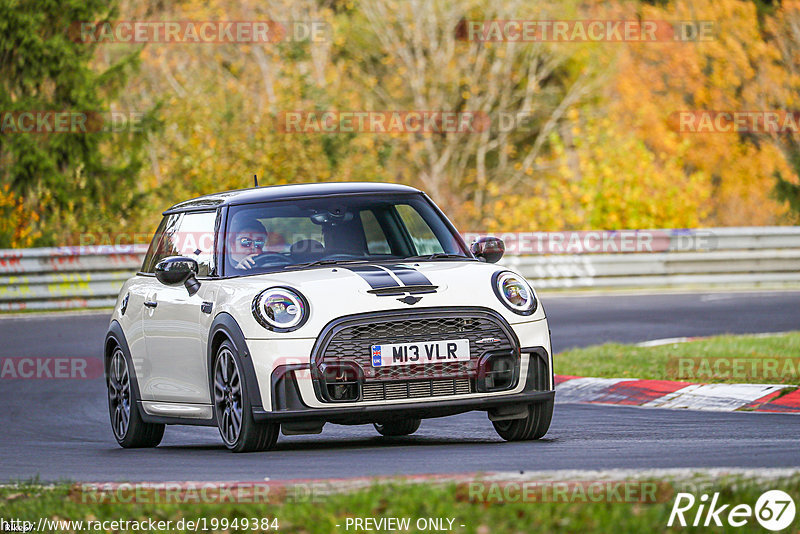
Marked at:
<point>730,359</point>
<point>31,502</point>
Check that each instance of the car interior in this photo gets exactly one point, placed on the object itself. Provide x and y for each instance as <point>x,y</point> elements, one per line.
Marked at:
<point>301,235</point>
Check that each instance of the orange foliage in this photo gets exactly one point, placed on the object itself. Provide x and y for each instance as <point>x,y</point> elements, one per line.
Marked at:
<point>17,222</point>
<point>732,72</point>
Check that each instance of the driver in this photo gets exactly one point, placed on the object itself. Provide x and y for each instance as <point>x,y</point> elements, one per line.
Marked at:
<point>248,242</point>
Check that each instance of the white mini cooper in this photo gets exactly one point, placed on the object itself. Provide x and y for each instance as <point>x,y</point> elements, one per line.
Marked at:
<point>350,303</point>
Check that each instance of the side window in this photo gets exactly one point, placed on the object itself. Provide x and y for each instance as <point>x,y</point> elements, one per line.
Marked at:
<point>163,244</point>
<point>184,234</point>
<point>147,264</point>
<point>376,239</point>
<point>196,240</point>
<point>424,239</point>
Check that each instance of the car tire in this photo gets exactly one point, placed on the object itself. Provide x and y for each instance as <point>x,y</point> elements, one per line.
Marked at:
<point>402,427</point>
<point>232,408</point>
<point>130,431</point>
<point>533,426</point>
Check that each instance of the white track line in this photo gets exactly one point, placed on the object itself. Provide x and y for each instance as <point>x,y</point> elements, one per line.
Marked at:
<point>585,389</point>
<point>714,397</point>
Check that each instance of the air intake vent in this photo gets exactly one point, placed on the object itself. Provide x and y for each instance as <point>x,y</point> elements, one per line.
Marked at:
<point>415,389</point>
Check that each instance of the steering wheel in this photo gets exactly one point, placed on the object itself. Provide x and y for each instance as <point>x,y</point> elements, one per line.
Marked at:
<point>268,259</point>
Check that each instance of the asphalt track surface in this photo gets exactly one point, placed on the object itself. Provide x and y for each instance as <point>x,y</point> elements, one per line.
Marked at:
<point>58,429</point>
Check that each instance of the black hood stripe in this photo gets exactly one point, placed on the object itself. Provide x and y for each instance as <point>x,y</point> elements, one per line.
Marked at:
<point>376,277</point>
<point>409,276</point>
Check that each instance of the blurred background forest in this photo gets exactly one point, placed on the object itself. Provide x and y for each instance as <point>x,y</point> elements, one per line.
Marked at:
<point>596,151</point>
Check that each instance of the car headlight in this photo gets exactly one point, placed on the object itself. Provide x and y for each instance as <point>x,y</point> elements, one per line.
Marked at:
<point>280,309</point>
<point>514,292</point>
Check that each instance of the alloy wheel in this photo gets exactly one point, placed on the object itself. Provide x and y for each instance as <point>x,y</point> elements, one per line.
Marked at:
<point>119,394</point>
<point>228,396</point>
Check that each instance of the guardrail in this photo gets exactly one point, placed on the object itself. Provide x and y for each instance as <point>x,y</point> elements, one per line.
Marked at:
<point>90,277</point>
<point>703,257</point>
<point>65,277</point>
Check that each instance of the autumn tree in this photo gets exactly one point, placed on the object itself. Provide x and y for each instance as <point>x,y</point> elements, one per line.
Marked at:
<point>783,29</point>
<point>414,56</point>
<point>221,105</point>
<point>732,71</point>
<point>78,181</point>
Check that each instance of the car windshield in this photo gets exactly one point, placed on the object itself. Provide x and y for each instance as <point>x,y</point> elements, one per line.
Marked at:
<point>283,235</point>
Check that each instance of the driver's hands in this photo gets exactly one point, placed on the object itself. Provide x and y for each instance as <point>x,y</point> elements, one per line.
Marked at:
<point>247,263</point>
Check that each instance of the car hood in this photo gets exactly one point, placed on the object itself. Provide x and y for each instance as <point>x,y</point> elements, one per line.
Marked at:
<point>348,289</point>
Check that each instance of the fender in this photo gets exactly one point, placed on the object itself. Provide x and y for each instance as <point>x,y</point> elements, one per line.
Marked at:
<point>115,335</point>
<point>225,325</point>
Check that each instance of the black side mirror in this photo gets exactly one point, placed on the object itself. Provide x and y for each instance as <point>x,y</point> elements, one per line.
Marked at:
<point>488,249</point>
<point>177,270</point>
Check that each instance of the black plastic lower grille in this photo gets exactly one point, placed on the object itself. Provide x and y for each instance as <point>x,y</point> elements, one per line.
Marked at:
<point>415,389</point>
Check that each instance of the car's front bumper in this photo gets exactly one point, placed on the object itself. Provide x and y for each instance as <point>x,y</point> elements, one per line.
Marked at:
<point>288,404</point>
<point>422,410</point>
<point>270,356</point>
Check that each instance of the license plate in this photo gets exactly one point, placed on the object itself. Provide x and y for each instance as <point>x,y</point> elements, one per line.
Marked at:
<point>451,350</point>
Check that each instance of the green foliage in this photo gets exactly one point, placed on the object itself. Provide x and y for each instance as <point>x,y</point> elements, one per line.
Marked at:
<point>75,181</point>
<point>788,191</point>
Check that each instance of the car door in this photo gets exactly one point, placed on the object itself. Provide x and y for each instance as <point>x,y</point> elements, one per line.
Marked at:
<point>174,322</point>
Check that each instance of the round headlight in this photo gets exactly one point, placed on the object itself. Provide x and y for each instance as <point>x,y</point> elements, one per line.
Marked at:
<point>280,309</point>
<point>514,292</point>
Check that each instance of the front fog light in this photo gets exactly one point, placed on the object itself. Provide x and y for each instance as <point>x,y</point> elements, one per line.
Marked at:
<point>280,309</point>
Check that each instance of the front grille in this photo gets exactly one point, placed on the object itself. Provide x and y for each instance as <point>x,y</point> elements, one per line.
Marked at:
<point>353,342</point>
<point>350,339</point>
<point>415,389</point>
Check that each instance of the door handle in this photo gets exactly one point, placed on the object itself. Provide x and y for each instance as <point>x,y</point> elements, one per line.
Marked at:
<point>150,303</point>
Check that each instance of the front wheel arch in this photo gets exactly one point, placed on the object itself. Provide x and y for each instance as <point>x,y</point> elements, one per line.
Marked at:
<point>115,337</point>
<point>225,328</point>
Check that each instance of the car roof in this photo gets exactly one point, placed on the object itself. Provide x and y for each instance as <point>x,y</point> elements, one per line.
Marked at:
<point>291,191</point>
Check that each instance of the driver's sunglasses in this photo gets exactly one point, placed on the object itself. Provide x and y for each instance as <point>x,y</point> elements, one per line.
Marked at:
<point>246,242</point>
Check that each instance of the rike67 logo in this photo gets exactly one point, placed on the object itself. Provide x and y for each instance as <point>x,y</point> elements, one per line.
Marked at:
<point>774,510</point>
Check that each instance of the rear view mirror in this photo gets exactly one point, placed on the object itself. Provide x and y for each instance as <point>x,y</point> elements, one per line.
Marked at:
<point>488,249</point>
<point>177,270</point>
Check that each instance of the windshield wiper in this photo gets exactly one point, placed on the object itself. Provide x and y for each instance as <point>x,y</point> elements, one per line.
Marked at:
<point>437,256</point>
<point>322,262</point>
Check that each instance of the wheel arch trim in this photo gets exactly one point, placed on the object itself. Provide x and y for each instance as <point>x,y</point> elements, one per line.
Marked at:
<point>114,335</point>
<point>224,327</point>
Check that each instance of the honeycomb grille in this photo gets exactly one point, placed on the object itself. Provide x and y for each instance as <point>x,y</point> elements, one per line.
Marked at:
<point>415,389</point>
<point>354,342</point>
